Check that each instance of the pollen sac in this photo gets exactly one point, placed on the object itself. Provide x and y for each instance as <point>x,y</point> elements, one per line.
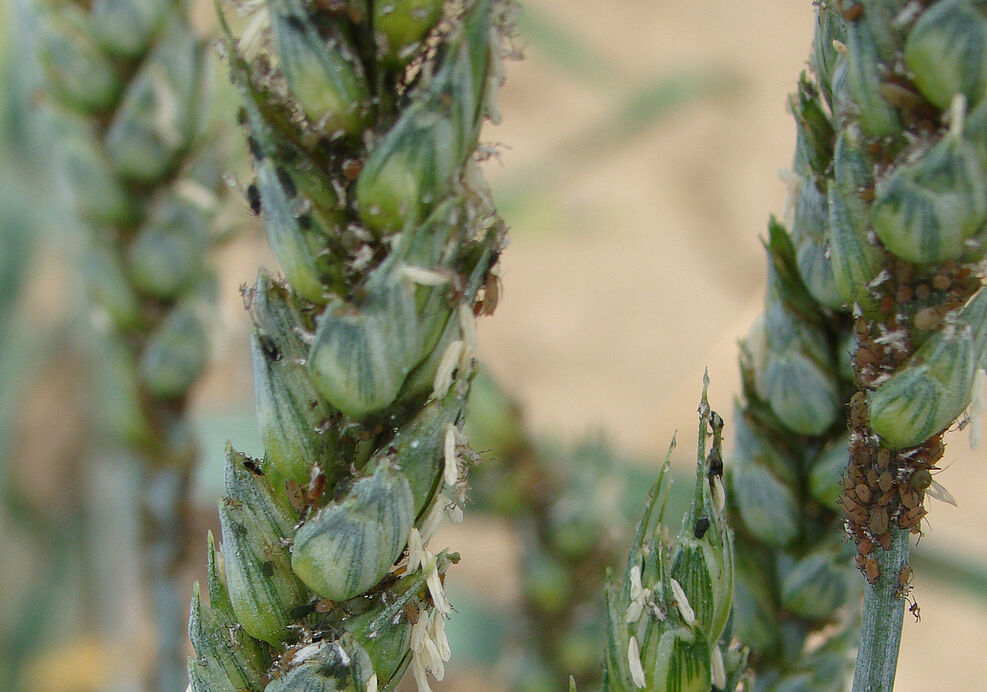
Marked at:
<point>856,261</point>
<point>413,165</point>
<point>125,27</point>
<point>877,117</point>
<point>166,257</point>
<point>339,665</point>
<point>79,75</point>
<point>935,386</point>
<point>925,211</point>
<point>946,52</point>
<point>291,414</point>
<point>326,80</point>
<point>400,26</point>
<point>361,355</point>
<point>348,546</point>
<point>257,522</point>
<point>153,124</point>
<point>228,660</point>
<point>817,585</point>
<point>175,354</point>
<point>295,247</point>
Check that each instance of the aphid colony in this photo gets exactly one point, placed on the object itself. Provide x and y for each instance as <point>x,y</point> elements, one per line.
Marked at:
<point>886,488</point>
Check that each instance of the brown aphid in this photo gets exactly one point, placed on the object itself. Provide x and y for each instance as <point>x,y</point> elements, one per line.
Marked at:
<point>851,12</point>
<point>872,478</point>
<point>865,546</point>
<point>941,282</point>
<point>863,493</point>
<point>885,481</point>
<point>860,561</point>
<point>922,291</point>
<point>491,296</point>
<point>884,499</point>
<point>351,169</point>
<point>904,576</point>
<point>879,521</point>
<point>887,305</point>
<point>858,407</point>
<point>911,518</point>
<point>884,540</point>
<point>883,458</point>
<point>871,570</point>
<point>910,497</point>
<point>863,358</point>
<point>323,605</point>
<point>316,484</point>
<point>903,294</point>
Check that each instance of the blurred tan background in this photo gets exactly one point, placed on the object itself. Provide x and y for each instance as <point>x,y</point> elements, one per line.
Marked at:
<point>637,174</point>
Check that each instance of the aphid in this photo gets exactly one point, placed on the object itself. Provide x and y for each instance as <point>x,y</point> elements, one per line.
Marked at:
<point>253,197</point>
<point>884,540</point>
<point>871,570</point>
<point>853,12</point>
<point>251,466</point>
<point>904,576</point>
<point>254,147</point>
<point>316,484</point>
<point>885,481</point>
<point>858,406</point>
<point>865,546</point>
<point>715,461</point>
<point>883,459</point>
<point>491,296</point>
<point>702,526</point>
<point>863,493</point>
<point>287,184</point>
<point>269,348</point>
<point>351,168</point>
<point>879,521</point>
<point>915,610</point>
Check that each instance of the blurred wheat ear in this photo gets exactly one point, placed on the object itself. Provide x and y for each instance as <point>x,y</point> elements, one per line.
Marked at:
<point>128,77</point>
<point>363,124</point>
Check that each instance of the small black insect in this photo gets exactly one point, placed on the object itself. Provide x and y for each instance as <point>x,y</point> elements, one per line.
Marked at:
<point>287,184</point>
<point>715,461</point>
<point>702,526</point>
<point>253,196</point>
<point>267,569</point>
<point>269,348</point>
<point>252,467</point>
<point>305,221</point>
<point>255,149</point>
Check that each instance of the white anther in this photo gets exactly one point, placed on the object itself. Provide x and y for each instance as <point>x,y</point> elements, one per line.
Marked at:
<point>634,662</point>
<point>719,495</point>
<point>450,471</point>
<point>416,550</point>
<point>422,276</point>
<point>719,673</point>
<point>447,366</point>
<point>957,115</point>
<point>682,603</point>
<point>372,683</point>
<point>467,323</point>
<point>435,589</point>
<point>840,47</point>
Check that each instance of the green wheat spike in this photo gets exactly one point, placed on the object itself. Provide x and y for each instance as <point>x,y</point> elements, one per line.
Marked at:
<point>363,125</point>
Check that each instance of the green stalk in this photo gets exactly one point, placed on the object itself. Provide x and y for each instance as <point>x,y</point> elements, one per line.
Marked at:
<point>128,79</point>
<point>884,610</point>
<point>363,122</point>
